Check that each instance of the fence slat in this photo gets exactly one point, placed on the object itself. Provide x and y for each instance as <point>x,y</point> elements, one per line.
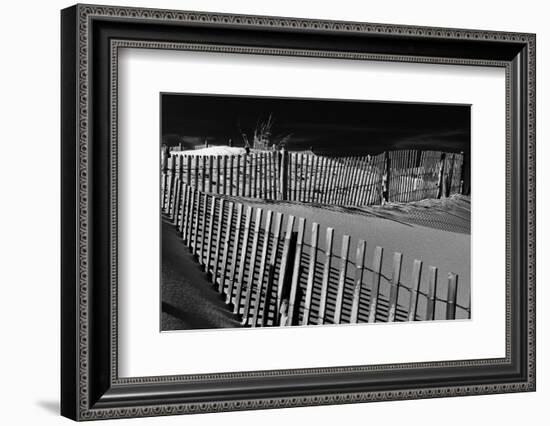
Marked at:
<point>375,283</point>
<point>296,271</point>
<point>244,256</point>
<point>351,180</point>
<point>210,235</point>
<point>284,261</point>
<point>271,270</point>
<point>261,272</point>
<point>272,175</point>
<point>234,257</point>
<point>177,203</point>
<point>225,185</point>
<point>311,272</point>
<point>322,180</point>
<point>394,289</point>
<point>348,181</point>
<point>196,221</point>
<point>266,161</point>
<point>228,226</point>
<point>163,188</point>
<point>317,184</point>
<point>417,271</point>
<point>359,268</point>
<point>188,170</point>
<point>255,174</point>
<point>203,172</point>
<point>326,276</point>
<point>196,172</point>
<point>182,218</point>
<point>275,159</point>
<point>342,180</point>
<point>201,251</point>
<point>432,289</point>
<point>283,174</point>
<point>243,175</point>
<point>231,172</point>
<point>237,175</point>
<point>357,185</point>
<point>294,176</point>
<point>171,175</point>
<point>253,257</point>
<point>210,169</point>
<point>250,176</point>
<point>189,220</point>
<point>342,279</point>
<point>451,296</point>
<point>310,172</point>
<point>331,184</point>
<point>220,225</point>
<point>298,175</point>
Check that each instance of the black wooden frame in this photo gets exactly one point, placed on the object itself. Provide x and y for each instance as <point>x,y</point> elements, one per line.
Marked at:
<point>90,387</point>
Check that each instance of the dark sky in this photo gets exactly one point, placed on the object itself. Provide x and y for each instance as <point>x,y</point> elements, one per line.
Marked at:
<point>329,126</point>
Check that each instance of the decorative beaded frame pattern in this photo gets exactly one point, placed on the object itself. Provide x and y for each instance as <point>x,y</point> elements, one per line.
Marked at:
<point>88,12</point>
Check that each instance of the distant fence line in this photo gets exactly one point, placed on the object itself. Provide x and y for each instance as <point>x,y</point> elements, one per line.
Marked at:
<point>403,176</point>
<point>271,274</point>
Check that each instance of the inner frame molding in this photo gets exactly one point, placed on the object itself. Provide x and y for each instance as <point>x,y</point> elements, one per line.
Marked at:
<point>91,38</point>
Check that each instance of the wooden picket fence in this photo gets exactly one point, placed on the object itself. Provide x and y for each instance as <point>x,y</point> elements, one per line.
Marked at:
<point>271,274</point>
<point>405,175</point>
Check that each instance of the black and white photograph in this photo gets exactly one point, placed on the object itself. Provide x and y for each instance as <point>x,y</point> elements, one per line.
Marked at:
<point>281,212</point>
<point>280,206</point>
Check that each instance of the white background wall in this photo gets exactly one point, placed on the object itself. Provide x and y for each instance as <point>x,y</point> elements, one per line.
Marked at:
<point>29,213</point>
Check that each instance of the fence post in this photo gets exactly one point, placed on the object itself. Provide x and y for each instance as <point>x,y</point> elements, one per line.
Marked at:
<point>359,268</point>
<point>432,288</point>
<point>326,276</point>
<point>342,279</point>
<point>311,272</point>
<point>386,178</point>
<point>462,172</point>
<point>417,271</point>
<point>451,297</point>
<point>283,268</point>
<point>449,180</point>
<point>283,177</point>
<point>375,283</point>
<point>440,177</point>
<point>394,291</point>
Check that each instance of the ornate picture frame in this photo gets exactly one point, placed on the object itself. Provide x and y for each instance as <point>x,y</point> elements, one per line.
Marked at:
<point>91,38</point>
